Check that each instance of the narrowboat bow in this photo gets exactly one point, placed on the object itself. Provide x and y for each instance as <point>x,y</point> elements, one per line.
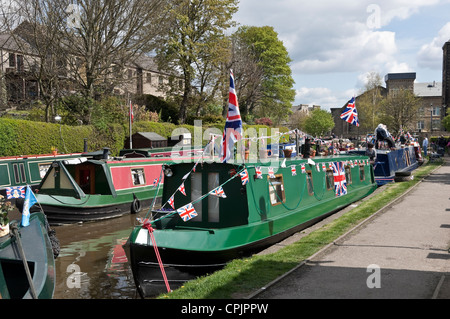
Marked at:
<point>244,208</point>
<point>27,264</point>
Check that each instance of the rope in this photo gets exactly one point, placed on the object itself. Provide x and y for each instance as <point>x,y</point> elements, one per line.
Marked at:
<point>148,226</point>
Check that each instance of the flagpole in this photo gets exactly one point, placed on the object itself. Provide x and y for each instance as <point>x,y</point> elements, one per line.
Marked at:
<point>130,110</point>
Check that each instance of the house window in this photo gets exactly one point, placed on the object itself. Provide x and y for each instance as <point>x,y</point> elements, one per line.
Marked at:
<point>309,183</point>
<point>149,78</point>
<point>20,64</point>
<point>276,190</point>
<point>12,60</point>
<point>436,124</point>
<point>420,125</point>
<point>161,80</point>
<point>436,111</point>
<point>138,176</point>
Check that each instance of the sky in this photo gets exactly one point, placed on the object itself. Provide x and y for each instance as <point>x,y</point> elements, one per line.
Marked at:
<point>334,44</point>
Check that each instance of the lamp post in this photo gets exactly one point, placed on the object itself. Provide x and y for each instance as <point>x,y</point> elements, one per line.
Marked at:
<point>431,118</point>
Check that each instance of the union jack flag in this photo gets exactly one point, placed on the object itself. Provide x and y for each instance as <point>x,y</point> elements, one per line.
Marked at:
<point>219,192</point>
<point>340,182</point>
<point>244,177</point>
<point>324,168</point>
<point>350,114</point>
<point>155,182</point>
<point>15,192</point>
<point>187,212</point>
<point>293,170</point>
<point>271,172</point>
<point>182,189</point>
<point>233,126</point>
<point>171,201</point>
<point>258,172</point>
<point>303,169</point>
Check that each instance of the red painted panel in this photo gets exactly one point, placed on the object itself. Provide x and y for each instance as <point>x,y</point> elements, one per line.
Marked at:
<point>122,179</point>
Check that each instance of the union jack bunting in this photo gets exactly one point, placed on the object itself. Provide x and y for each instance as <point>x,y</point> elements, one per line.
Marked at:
<point>219,192</point>
<point>324,168</point>
<point>351,164</point>
<point>318,167</point>
<point>350,114</point>
<point>15,192</point>
<point>303,169</point>
<point>155,182</point>
<point>233,126</point>
<point>340,183</point>
<point>171,201</point>
<point>258,172</point>
<point>271,172</point>
<point>293,170</point>
<point>244,177</point>
<point>182,189</point>
<point>187,212</point>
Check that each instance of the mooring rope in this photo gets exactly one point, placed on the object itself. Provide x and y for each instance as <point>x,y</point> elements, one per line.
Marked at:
<point>148,226</point>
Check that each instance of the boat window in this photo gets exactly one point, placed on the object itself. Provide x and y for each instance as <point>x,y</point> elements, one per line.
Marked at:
<point>276,190</point>
<point>22,173</point>
<point>16,173</point>
<point>348,175</point>
<point>43,168</point>
<point>196,193</point>
<point>330,179</point>
<point>138,176</point>
<point>309,182</point>
<point>213,201</point>
<point>362,173</point>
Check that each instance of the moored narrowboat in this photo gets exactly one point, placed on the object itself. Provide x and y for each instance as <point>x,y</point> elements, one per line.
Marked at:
<point>27,262</point>
<point>27,170</point>
<point>219,212</point>
<point>84,190</point>
<point>393,164</point>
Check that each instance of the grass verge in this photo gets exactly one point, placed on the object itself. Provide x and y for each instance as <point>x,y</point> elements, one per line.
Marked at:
<point>242,276</point>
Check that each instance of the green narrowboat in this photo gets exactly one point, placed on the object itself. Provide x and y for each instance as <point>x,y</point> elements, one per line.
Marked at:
<point>27,264</point>
<point>266,206</point>
<point>27,170</point>
<point>82,190</point>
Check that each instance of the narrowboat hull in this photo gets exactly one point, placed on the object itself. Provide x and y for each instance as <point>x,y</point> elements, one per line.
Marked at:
<point>390,164</point>
<point>191,247</point>
<point>38,252</point>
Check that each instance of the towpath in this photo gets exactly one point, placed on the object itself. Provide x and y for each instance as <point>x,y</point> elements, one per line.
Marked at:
<point>403,252</point>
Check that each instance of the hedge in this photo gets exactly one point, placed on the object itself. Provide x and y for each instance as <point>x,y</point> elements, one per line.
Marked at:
<point>21,137</point>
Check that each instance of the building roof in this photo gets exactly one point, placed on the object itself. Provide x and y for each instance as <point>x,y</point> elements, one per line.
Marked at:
<point>428,89</point>
<point>400,76</point>
<point>152,136</point>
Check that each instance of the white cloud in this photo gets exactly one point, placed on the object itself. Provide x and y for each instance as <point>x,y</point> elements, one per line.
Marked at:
<point>430,54</point>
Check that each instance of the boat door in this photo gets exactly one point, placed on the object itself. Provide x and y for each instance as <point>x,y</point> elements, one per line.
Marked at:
<point>85,178</point>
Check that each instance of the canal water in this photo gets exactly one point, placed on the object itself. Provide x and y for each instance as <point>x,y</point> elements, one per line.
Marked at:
<point>92,263</point>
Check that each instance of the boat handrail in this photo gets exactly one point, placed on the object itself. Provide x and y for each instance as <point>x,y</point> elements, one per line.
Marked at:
<point>210,230</point>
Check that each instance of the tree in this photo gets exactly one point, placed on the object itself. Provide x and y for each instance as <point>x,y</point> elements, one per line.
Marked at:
<point>88,41</point>
<point>400,110</point>
<point>319,123</point>
<point>368,103</point>
<point>269,65</point>
<point>196,43</point>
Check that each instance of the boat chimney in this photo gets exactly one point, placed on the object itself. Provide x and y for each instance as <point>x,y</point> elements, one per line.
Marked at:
<point>85,148</point>
<point>105,153</point>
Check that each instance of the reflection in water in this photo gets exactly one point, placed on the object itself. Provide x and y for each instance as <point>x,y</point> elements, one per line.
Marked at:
<point>92,263</point>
